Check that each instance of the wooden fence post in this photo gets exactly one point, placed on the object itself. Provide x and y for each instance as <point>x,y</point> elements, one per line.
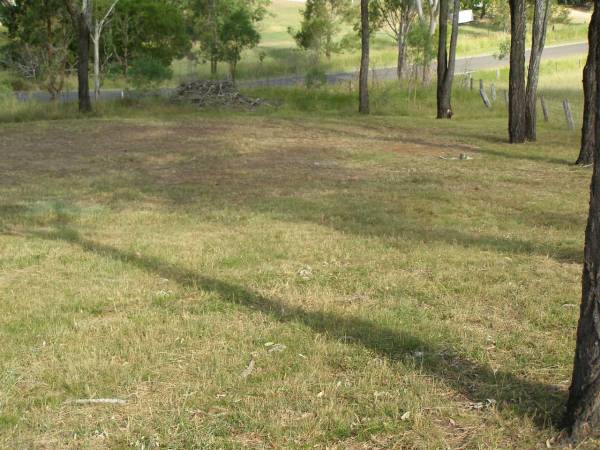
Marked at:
<point>506,97</point>
<point>471,81</point>
<point>568,114</point>
<point>544,109</point>
<point>484,97</point>
<point>493,92</point>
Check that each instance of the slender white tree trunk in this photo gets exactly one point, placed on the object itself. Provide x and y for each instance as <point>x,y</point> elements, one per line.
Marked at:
<point>96,40</point>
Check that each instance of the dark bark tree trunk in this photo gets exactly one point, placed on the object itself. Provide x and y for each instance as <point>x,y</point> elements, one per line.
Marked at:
<point>81,18</point>
<point>83,62</point>
<point>445,63</point>
<point>541,15</point>
<point>588,132</point>
<point>215,38</point>
<point>363,82</point>
<point>582,417</point>
<point>516,84</point>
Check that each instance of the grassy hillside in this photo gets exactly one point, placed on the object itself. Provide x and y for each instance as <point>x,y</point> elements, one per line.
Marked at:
<point>297,277</point>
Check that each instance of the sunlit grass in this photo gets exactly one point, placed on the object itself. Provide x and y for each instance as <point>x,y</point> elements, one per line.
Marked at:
<point>151,252</point>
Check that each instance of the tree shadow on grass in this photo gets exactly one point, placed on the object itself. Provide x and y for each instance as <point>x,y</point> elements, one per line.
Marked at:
<point>511,152</point>
<point>475,381</point>
<point>373,222</point>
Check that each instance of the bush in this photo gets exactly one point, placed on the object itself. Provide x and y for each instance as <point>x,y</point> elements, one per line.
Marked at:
<point>5,92</point>
<point>148,73</point>
<point>315,78</point>
<point>503,49</point>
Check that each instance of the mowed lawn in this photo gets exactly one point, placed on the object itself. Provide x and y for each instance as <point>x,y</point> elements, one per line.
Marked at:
<point>303,281</point>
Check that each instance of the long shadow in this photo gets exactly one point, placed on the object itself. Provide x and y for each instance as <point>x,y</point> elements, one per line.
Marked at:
<point>375,225</point>
<point>475,381</point>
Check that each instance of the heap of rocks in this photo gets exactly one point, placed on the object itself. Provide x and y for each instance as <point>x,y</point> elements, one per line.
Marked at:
<point>213,94</point>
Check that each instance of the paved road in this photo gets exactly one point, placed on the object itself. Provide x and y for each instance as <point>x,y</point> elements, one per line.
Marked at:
<point>463,65</point>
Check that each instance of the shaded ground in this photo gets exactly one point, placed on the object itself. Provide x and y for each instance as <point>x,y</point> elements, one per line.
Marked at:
<point>422,302</point>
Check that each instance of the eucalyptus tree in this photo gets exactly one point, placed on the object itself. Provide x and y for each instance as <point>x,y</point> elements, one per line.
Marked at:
<point>541,16</point>
<point>396,18</point>
<point>363,79</point>
<point>101,15</point>
<point>516,83</point>
<point>446,59</point>
<point>321,21</point>
<point>81,16</point>
<point>428,17</point>
<point>582,418</point>
<point>588,132</point>
<point>213,27</point>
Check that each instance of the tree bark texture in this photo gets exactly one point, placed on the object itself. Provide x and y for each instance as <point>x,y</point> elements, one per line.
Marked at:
<point>541,15</point>
<point>363,82</point>
<point>516,87</point>
<point>588,132</point>
<point>582,417</point>
<point>83,60</point>
<point>445,62</point>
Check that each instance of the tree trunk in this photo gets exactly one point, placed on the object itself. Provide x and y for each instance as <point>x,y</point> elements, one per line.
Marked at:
<point>401,58</point>
<point>516,86</point>
<point>541,15</point>
<point>96,42</point>
<point>232,70</point>
<point>215,38</point>
<point>363,86</point>
<point>445,63</point>
<point>402,35</point>
<point>83,60</point>
<point>582,417</point>
<point>588,132</point>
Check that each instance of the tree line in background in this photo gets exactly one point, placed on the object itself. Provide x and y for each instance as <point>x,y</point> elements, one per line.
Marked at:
<point>134,39</point>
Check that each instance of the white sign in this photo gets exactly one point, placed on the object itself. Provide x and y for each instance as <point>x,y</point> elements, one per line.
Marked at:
<point>465,16</point>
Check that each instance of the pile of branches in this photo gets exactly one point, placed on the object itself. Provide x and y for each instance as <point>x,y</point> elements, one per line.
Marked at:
<point>213,94</point>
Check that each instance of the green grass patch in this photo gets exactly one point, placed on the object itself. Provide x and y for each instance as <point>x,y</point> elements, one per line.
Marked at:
<point>382,292</point>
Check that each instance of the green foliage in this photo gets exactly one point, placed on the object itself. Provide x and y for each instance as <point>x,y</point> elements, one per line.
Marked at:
<point>560,14</point>
<point>143,30</point>
<point>321,22</point>
<point>5,90</point>
<point>476,5</point>
<point>421,44</point>
<point>224,28</point>
<point>237,33</point>
<point>147,73</point>
<point>498,11</point>
<point>503,49</point>
<point>40,39</point>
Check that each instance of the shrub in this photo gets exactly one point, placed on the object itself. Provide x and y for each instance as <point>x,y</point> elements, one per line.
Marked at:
<point>315,78</point>
<point>148,73</point>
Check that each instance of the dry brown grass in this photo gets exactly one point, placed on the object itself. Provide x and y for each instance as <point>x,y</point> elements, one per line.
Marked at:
<point>152,259</point>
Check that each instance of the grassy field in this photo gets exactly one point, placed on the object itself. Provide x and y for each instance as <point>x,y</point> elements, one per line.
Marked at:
<point>297,277</point>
